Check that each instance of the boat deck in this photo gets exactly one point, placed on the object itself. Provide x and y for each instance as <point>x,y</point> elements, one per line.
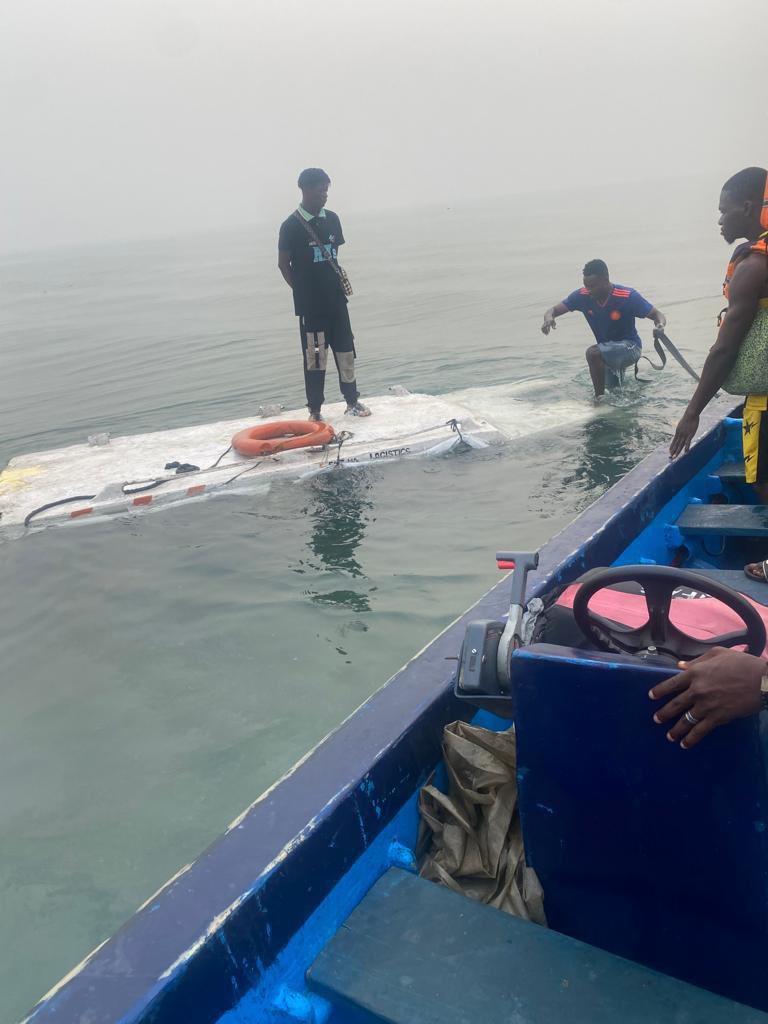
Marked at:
<point>416,953</point>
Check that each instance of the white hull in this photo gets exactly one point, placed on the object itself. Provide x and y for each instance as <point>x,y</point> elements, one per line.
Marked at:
<point>402,426</point>
<point>118,477</point>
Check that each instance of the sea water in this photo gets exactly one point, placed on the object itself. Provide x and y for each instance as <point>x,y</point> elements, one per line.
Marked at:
<point>159,671</point>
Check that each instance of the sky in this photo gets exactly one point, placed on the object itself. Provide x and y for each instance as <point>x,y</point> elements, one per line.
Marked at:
<point>142,118</point>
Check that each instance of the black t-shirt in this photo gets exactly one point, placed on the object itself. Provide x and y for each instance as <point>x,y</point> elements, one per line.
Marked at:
<point>316,285</point>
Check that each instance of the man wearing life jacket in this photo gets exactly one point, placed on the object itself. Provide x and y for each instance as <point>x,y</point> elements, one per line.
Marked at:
<point>610,310</point>
<point>308,249</point>
<point>743,214</point>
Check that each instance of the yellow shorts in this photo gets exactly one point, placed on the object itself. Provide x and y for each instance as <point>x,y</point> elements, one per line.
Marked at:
<point>755,438</point>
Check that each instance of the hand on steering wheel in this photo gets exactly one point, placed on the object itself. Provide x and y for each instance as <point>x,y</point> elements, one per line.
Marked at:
<point>659,583</point>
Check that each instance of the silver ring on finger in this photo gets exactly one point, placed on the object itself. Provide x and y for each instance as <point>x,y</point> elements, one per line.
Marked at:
<point>690,718</point>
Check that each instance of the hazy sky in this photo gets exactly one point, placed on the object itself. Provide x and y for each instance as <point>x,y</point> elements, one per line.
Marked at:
<point>124,118</point>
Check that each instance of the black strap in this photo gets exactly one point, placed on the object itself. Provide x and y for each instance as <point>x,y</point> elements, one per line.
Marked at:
<point>661,354</point>
<point>660,337</point>
<point>321,245</point>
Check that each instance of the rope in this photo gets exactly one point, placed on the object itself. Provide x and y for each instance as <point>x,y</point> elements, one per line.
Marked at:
<point>225,452</point>
<point>456,428</point>
<point>129,489</point>
<point>660,337</point>
<point>53,504</point>
<point>249,469</point>
<point>341,438</point>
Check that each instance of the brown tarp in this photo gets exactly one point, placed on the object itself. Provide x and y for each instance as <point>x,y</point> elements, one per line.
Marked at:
<point>471,837</point>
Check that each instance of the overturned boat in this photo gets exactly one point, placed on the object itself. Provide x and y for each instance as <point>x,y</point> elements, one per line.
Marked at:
<point>112,476</point>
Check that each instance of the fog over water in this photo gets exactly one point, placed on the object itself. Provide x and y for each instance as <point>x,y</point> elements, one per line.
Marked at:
<point>150,117</point>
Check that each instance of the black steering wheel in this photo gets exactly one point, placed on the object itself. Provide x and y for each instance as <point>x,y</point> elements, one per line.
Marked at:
<point>659,583</point>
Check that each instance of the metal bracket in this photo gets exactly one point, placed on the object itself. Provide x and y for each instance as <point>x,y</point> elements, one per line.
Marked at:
<point>512,637</point>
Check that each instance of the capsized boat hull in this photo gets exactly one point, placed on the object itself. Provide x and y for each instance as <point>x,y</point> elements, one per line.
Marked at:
<point>128,474</point>
<point>119,475</point>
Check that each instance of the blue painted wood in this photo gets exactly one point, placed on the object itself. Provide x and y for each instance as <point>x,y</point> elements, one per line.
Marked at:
<point>413,952</point>
<point>724,521</point>
<point>194,950</point>
<point>644,849</point>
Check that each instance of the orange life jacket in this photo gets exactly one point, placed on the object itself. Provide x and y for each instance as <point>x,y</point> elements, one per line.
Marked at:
<point>740,253</point>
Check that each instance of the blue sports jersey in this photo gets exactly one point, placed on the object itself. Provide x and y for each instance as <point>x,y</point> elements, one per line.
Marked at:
<point>613,320</point>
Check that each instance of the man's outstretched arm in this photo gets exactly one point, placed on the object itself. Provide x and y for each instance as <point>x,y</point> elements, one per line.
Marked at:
<point>549,317</point>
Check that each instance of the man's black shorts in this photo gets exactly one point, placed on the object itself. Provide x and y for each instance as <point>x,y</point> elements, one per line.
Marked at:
<point>335,326</point>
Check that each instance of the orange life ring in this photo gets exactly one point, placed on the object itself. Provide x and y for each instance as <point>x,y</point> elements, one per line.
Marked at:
<point>270,438</point>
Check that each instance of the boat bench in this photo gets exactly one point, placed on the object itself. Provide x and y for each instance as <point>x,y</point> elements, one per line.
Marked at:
<point>698,520</point>
<point>414,952</point>
<point>731,472</point>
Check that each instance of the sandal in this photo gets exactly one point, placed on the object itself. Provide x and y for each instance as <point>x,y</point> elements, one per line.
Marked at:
<point>357,409</point>
<point>757,571</point>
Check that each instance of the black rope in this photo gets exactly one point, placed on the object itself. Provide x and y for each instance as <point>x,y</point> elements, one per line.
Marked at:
<point>228,450</point>
<point>456,428</point>
<point>661,353</point>
<point>660,337</point>
<point>53,504</point>
<point>186,467</point>
<point>341,438</point>
<point>129,490</point>
<point>249,469</point>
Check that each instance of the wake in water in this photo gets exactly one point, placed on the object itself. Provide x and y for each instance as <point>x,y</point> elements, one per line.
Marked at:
<point>524,408</point>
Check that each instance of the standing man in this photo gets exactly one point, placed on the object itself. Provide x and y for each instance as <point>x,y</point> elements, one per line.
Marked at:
<point>743,214</point>
<point>308,260</point>
<point>610,311</point>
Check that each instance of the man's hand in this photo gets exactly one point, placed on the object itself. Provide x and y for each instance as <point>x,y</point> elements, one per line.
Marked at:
<point>284,264</point>
<point>660,320</point>
<point>716,688</point>
<point>684,432</point>
<point>549,322</point>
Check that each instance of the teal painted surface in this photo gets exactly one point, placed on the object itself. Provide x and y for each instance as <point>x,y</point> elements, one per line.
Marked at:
<point>724,520</point>
<point>416,953</point>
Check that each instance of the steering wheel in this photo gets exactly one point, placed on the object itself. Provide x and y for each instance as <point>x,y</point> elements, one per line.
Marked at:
<point>659,583</point>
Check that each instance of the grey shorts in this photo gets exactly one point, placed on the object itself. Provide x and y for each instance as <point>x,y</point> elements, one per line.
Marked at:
<point>618,355</point>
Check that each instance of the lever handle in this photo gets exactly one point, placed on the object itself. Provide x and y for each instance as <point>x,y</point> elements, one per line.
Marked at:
<point>522,563</point>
